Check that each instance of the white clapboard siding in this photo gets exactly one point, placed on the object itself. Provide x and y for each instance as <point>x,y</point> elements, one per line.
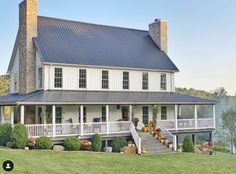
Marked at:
<point>94,79</point>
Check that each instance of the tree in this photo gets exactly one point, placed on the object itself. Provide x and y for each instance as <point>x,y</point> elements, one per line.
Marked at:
<point>220,92</point>
<point>196,93</point>
<point>229,126</point>
<point>4,85</point>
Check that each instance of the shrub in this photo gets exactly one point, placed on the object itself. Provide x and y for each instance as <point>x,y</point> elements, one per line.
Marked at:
<point>43,143</point>
<point>72,144</point>
<point>5,133</point>
<point>118,143</point>
<point>188,144</point>
<point>96,143</point>
<point>220,148</point>
<point>19,136</point>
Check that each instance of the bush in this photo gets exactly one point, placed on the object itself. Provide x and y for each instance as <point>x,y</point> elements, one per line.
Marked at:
<point>118,143</point>
<point>72,144</point>
<point>96,143</point>
<point>220,148</point>
<point>188,145</point>
<point>5,133</point>
<point>43,143</point>
<point>19,136</point>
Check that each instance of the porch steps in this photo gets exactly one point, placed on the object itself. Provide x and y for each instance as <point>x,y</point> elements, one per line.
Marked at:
<point>152,145</point>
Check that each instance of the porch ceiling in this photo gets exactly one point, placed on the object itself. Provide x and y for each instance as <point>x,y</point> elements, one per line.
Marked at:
<point>102,97</point>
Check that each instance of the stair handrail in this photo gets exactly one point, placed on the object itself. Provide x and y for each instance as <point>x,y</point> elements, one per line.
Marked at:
<point>167,134</point>
<point>136,137</point>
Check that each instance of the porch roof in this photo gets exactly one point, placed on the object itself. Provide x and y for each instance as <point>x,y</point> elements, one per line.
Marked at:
<point>101,97</point>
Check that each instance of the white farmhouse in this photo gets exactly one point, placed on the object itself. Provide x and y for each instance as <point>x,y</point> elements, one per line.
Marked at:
<point>72,78</point>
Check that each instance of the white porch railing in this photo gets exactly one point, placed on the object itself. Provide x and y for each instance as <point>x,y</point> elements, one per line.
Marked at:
<point>36,130</point>
<point>168,124</point>
<point>205,123</point>
<point>74,129</point>
<point>119,126</point>
<point>136,138</point>
<point>185,124</point>
<point>168,135</point>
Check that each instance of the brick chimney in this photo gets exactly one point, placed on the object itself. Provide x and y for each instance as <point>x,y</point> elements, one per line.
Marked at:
<point>27,53</point>
<point>158,33</point>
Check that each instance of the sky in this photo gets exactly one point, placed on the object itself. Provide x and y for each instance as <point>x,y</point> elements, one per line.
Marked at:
<point>201,34</point>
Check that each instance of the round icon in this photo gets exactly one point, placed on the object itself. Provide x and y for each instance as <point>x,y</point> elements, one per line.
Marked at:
<point>8,165</point>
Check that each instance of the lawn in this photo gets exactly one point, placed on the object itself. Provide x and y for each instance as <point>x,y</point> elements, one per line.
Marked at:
<point>89,162</point>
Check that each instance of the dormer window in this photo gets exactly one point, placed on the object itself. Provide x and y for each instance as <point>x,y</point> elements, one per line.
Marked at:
<point>58,78</point>
<point>163,81</point>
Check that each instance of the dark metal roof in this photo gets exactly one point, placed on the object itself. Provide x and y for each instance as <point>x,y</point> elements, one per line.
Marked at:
<point>70,42</point>
<point>13,98</point>
<point>106,97</point>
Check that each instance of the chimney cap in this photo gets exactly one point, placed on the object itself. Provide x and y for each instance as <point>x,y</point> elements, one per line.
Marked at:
<point>159,20</point>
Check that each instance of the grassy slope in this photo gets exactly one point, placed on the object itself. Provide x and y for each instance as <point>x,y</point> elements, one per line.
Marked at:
<point>89,162</point>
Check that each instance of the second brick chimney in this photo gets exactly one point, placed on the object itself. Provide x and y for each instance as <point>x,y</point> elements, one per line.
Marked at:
<point>158,33</point>
<point>27,53</point>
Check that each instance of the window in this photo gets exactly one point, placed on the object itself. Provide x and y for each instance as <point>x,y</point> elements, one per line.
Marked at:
<point>163,112</point>
<point>125,80</point>
<point>105,80</point>
<point>58,115</point>
<point>104,113</point>
<point>84,116</point>
<point>82,78</point>
<point>16,82</point>
<point>58,78</point>
<point>40,77</point>
<point>145,114</point>
<point>145,80</point>
<point>163,81</point>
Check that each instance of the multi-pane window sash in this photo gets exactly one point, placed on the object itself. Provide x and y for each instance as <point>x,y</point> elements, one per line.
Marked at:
<point>82,78</point>
<point>125,80</point>
<point>145,114</point>
<point>163,112</point>
<point>105,79</point>
<point>145,80</point>
<point>58,78</point>
<point>163,81</point>
<point>104,114</point>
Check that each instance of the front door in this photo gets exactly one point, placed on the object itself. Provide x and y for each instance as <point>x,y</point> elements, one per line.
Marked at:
<point>125,113</point>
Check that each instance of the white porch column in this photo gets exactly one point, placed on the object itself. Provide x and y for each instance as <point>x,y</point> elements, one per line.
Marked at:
<point>176,117</point>
<point>82,120</point>
<point>175,143</point>
<point>53,121</point>
<point>107,118</point>
<point>130,113</point>
<point>214,115</point>
<point>22,114</point>
<point>12,115</point>
<point>195,116</point>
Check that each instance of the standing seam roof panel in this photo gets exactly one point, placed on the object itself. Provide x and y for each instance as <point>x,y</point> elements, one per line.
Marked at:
<point>70,42</point>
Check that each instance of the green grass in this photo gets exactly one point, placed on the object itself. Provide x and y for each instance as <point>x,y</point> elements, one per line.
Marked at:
<point>89,162</point>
